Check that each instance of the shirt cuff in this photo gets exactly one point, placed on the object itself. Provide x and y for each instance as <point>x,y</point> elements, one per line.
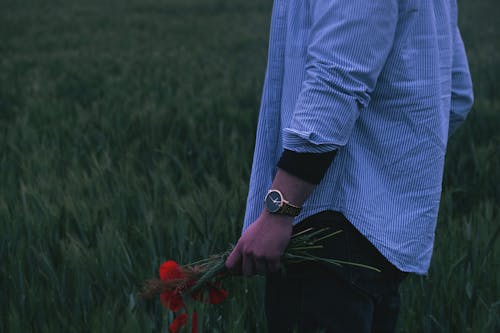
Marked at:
<point>310,167</point>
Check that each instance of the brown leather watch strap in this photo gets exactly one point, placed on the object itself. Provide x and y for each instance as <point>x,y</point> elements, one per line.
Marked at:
<point>288,209</point>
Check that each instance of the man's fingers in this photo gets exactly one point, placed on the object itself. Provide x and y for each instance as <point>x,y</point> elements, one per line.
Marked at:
<point>273,264</point>
<point>260,265</point>
<point>248,265</point>
<point>233,262</point>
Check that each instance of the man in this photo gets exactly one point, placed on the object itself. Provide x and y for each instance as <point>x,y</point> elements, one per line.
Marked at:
<point>359,100</point>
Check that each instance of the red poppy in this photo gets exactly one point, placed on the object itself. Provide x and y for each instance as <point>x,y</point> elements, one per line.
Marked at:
<point>170,270</point>
<point>172,300</point>
<point>216,295</point>
<point>194,325</point>
<point>178,323</point>
<point>197,295</point>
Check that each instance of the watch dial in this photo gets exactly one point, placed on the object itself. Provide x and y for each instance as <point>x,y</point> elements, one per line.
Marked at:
<point>273,202</point>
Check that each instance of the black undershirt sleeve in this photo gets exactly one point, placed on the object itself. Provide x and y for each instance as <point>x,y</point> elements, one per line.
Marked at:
<point>310,167</point>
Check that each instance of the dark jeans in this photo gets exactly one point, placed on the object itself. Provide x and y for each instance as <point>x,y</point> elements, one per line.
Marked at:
<point>315,297</point>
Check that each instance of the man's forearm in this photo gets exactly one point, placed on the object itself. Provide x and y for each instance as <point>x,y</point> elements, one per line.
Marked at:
<point>299,173</point>
<point>294,189</point>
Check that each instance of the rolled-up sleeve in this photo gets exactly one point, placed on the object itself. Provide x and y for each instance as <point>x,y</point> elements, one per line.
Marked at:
<point>462,96</point>
<point>348,46</point>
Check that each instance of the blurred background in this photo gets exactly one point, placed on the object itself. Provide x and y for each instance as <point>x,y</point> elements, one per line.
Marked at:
<point>126,137</point>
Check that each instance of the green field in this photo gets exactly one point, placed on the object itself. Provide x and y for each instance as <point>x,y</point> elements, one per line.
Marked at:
<point>126,138</point>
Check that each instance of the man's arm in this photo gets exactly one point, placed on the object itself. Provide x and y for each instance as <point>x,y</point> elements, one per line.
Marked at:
<point>349,44</point>
<point>461,85</point>
<point>261,246</point>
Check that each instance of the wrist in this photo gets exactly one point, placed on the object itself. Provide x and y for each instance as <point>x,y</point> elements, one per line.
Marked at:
<point>284,220</point>
<point>294,189</point>
<point>278,216</point>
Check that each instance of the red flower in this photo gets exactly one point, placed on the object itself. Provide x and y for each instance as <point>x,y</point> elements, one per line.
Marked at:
<point>170,270</point>
<point>172,299</point>
<point>194,324</point>
<point>197,295</point>
<point>181,320</point>
<point>216,295</point>
<point>178,323</point>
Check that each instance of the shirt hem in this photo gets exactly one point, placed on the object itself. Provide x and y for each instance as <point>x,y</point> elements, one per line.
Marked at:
<point>352,217</point>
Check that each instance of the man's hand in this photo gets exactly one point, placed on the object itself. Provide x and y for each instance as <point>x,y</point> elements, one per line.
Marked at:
<point>261,246</point>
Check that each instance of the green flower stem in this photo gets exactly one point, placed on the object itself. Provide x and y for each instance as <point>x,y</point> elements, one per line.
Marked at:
<point>329,261</point>
<point>328,236</point>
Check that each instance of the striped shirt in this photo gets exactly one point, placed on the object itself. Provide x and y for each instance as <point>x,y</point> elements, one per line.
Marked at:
<point>383,81</point>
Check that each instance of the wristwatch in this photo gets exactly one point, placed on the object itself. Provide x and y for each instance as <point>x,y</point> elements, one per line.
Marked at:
<point>276,204</point>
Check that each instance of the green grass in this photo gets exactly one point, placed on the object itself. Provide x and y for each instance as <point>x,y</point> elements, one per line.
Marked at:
<point>126,138</point>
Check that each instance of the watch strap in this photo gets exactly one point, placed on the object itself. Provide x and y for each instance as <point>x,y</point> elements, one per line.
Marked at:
<point>290,210</point>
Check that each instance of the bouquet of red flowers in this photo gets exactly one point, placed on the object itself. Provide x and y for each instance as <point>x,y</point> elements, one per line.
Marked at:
<point>201,280</point>
<point>175,282</point>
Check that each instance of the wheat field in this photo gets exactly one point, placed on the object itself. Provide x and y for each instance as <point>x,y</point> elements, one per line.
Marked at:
<point>126,138</point>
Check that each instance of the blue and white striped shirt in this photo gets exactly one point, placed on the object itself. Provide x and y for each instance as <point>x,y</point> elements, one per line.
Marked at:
<point>383,81</point>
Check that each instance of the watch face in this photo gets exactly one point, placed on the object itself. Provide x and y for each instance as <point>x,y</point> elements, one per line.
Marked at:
<point>273,201</point>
